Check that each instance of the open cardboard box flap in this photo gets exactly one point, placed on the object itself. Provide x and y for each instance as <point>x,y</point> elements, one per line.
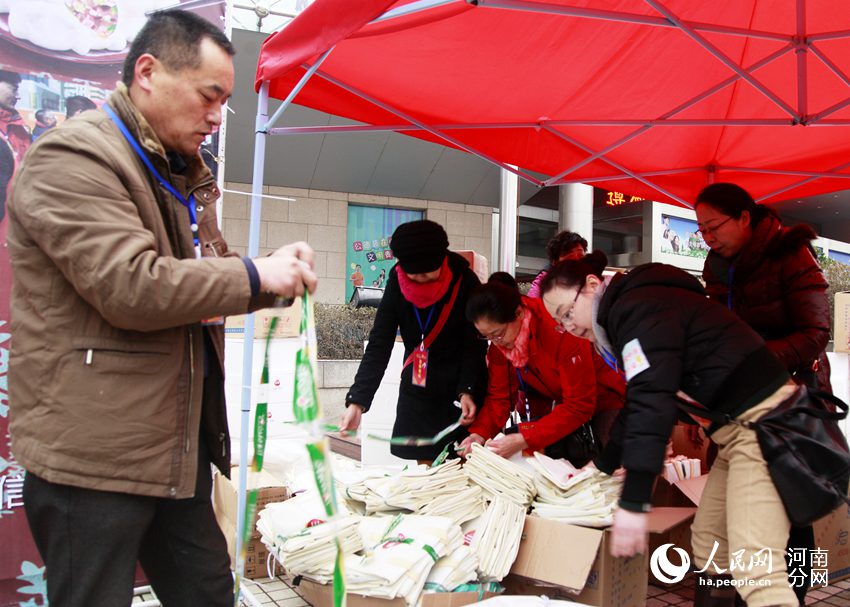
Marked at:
<point>692,488</point>
<point>544,544</point>
<point>663,519</point>
<point>542,552</point>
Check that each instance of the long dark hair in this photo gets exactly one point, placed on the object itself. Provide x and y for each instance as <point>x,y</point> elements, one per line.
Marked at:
<point>495,300</point>
<point>732,200</point>
<point>574,272</point>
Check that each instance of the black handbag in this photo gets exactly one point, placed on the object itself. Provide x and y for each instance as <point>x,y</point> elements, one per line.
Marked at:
<point>579,447</point>
<point>806,453</point>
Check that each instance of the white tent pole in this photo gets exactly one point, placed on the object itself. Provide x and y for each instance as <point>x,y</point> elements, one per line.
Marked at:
<point>508,205</point>
<point>248,337</point>
<point>222,128</point>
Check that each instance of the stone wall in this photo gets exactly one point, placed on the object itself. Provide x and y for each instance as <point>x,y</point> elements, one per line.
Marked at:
<point>321,218</point>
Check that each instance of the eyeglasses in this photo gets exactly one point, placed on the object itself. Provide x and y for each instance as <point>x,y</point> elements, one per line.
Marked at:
<point>495,336</point>
<point>567,314</point>
<point>705,230</point>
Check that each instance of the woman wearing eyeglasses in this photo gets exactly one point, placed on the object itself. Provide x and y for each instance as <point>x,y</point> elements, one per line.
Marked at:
<point>767,274</point>
<point>673,342</point>
<point>543,380</point>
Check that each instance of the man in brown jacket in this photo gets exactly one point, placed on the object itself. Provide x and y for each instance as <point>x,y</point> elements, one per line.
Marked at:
<point>116,389</point>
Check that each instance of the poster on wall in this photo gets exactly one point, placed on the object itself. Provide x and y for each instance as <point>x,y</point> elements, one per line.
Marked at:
<point>369,257</point>
<point>680,236</point>
<point>839,256</point>
<point>57,58</point>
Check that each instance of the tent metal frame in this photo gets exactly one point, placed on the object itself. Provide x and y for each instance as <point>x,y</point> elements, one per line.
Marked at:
<point>800,44</point>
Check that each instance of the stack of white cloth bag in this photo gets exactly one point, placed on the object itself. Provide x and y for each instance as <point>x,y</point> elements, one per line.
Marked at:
<point>499,477</point>
<point>302,541</point>
<point>453,570</point>
<point>401,551</point>
<point>443,490</point>
<point>495,538</point>
<point>579,497</point>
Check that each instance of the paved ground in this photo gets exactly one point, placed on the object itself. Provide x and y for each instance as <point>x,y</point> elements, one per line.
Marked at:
<point>271,592</point>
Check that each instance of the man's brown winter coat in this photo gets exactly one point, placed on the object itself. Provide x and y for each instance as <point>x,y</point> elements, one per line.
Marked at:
<point>107,356</point>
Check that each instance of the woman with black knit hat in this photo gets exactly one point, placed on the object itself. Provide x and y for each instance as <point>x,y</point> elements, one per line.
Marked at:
<point>424,300</point>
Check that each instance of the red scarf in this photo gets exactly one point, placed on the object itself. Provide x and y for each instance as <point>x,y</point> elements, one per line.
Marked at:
<point>426,294</point>
<point>518,354</point>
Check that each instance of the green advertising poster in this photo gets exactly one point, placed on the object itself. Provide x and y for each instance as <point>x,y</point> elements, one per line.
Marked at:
<point>369,258</point>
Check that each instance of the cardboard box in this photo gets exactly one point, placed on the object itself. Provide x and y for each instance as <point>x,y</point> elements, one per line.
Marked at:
<point>832,533</point>
<point>289,320</point>
<point>681,494</point>
<point>673,526</point>
<point>256,555</point>
<point>841,332</point>
<point>572,562</point>
<point>682,445</point>
<point>319,595</point>
<point>225,506</point>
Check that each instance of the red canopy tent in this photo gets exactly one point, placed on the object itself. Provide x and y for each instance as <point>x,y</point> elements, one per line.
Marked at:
<point>651,97</point>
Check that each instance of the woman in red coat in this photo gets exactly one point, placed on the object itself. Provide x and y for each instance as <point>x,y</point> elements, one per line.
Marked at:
<point>544,380</point>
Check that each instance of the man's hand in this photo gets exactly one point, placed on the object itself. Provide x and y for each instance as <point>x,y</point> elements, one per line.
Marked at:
<point>629,533</point>
<point>465,447</point>
<point>287,272</point>
<point>507,445</point>
<point>468,408</point>
<point>351,419</point>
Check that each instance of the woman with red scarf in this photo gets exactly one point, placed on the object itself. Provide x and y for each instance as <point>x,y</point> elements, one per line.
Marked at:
<point>549,383</point>
<point>424,300</point>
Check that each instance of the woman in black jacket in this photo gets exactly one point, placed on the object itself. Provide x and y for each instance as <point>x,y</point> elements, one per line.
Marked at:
<point>424,300</point>
<point>768,275</point>
<point>674,343</point>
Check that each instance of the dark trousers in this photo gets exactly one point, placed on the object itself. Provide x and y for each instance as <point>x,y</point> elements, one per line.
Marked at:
<point>90,542</point>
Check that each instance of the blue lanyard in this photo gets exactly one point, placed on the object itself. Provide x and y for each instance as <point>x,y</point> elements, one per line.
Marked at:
<point>609,359</point>
<point>421,326</point>
<point>729,275</point>
<point>189,204</point>
<point>524,394</point>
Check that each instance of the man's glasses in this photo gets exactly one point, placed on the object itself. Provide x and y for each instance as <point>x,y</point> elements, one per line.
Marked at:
<point>706,230</point>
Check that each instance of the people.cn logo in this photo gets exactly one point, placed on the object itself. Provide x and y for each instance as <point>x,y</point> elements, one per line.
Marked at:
<point>664,570</point>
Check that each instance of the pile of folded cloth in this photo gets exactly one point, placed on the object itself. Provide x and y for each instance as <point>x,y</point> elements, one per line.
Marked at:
<point>443,490</point>
<point>679,467</point>
<point>453,570</point>
<point>500,477</point>
<point>400,553</point>
<point>580,497</point>
<point>495,538</point>
<point>297,534</point>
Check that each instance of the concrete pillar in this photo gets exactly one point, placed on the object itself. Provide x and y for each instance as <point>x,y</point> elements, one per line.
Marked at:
<point>575,210</point>
<point>508,204</point>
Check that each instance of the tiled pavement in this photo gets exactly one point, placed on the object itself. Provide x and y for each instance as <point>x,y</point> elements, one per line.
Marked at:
<point>682,595</point>
<point>270,592</point>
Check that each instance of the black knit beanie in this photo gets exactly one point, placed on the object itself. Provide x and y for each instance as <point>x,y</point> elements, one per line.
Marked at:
<point>420,246</point>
